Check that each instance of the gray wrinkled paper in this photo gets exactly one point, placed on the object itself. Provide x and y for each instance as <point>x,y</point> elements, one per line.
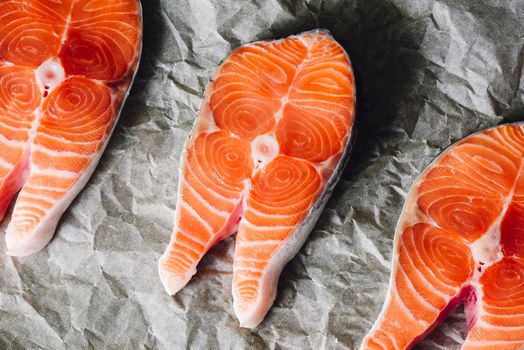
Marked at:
<point>428,73</point>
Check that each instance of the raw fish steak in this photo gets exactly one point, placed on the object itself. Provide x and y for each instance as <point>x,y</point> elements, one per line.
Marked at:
<point>65,70</point>
<point>266,150</point>
<point>461,239</point>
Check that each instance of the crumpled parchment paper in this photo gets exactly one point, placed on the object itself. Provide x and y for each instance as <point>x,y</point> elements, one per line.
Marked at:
<point>429,72</point>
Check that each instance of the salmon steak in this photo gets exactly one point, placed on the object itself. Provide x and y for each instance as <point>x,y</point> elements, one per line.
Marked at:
<point>460,239</point>
<point>65,70</point>
<point>266,150</point>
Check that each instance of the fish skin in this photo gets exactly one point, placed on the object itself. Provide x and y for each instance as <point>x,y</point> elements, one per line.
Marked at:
<point>59,143</point>
<point>328,176</point>
<point>488,167</point>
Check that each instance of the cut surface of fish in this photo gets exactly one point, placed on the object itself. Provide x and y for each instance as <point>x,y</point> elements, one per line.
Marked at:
<point>65,71</point>
<point>265,152</point>
<point>460,239</point>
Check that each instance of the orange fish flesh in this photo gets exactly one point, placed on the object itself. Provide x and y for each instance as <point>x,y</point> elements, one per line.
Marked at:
<point>266,150</point>
<point>460,239</point>
<point>65,71</point>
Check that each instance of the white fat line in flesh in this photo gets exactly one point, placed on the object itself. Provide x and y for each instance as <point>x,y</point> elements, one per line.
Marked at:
<point>246,243</point>
<point>259,213</point>
<point>509,146</point>
<point>254,102</point>
<point>206,186</point>
<point>331,65</point>
<point>206,204</point>
<point>241,83</point>
<point>53,172</point>
<point>474,170</point>
<point>40,197</point>
<point>33,212</point>
<point>239,259</point>
<point>489,164</point>
<point>6,164</point>
<point>282,58</point>
<point>471,181</point>
<point>24,219</point>
<point>285,99</point>
<point>28,204</point>
<point>493,343</point>
<point>329,71</point>
<point>190,237</point>
<point>240,268</point>
<point>330,113</point>
<point>185,245</point>
<point>63,139</point>
<point>259,84</point>
<point>173,264</point>
<point>249,224</point>
<point>392,339</point>
<point>243,101</point>
<point>101,9</point>
<point>431,272</point>
<point>47,11</point>
<point>474,157</point>
<point>285,208</point>
<point>424,278</point>
<point>113,25</point>
<point>376,340</point>
<point>48,151</point>
<point>182,255</point>
<point>458,185</point>
<point>67,24</point>
<point>217,103</point>
<point>503,311</point>
<point>314,103</point>
<point>193,212</point>
<point>321,93</point>
<point>407,311</point>
<point>307,43</point>
<point>416,292</point>
<point>9,142</point>
<point>429,220</point>
<point>482,323</point>
<point>464,205</point>
<point>269,60</point>
<point>512,145</point>
<point>10,127</point>
<point>46,188</point>
<point>118,29</point>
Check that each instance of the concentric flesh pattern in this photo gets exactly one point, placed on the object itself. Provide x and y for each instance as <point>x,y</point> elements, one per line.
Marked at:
<point>267,146</point>
<point>461,239</point>
<point>65,69</point>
